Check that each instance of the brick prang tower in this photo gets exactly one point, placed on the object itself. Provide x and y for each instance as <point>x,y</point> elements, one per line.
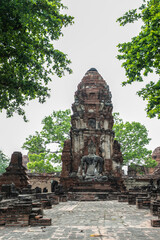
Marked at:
<point>92,158</point>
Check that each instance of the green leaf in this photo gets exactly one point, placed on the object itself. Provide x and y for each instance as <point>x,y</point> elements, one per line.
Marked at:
<point>133,138</point>
<point>141,55</point>
<point>4,162</point>
<point>28,30</point>
<point>55,130</point>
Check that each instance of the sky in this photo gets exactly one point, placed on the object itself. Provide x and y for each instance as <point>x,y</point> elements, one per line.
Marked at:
<point>90,42</point>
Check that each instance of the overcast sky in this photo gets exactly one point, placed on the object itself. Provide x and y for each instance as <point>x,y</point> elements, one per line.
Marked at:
<point>90,42</point>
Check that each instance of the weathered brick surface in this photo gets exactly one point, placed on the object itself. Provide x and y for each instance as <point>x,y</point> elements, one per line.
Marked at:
<point>123,198</point>
<point>15,173</point>
<point>159,212</point>
<point>154,207</point>
<point>24,213</point>
<point>108,220</point>
<point>92,134</point>
<point>43,180</point>
<point>92,196</point>
<point>63,198</point>
<point>54,199</point>
<point>46,204</point>
<point>143,203</point>
<point>15,215</point>
<point>40,222</point>
<point>155,223</point>
<point>156,154</point>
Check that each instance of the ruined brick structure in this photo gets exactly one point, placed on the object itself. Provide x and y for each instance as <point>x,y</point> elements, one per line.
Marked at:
<point>92,160</point>
<point>15,173</point>
<point>43,180</point>
<point>156,155</point>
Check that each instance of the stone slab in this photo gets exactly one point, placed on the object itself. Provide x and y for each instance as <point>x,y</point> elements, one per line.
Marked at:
<point>103,220</point>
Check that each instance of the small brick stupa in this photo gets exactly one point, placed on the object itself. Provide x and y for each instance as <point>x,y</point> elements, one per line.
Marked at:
<point>91,160</point>
<point>15,172</point>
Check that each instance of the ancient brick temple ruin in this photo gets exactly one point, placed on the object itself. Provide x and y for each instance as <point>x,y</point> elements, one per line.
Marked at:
<point>15,172</point>
<point>19,204</point>
<point>91,160</point>
<point>91,166</point>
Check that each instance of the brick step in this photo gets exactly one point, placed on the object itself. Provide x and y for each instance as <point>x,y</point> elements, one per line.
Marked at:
<point>96,188</point>
<point>36,205</point>
<point>92,196</point>
<point>95,192</point>
<point>40,222</point>
<point>46,204</point>
<point>37,211</point>
<point>155,223</point>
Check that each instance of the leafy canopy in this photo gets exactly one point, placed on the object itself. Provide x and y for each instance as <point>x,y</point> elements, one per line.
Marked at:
<point>45,147</point>
<point>141,55</point>
<point>133,138</point>
<point>4,162</point>
<point>28,29</point>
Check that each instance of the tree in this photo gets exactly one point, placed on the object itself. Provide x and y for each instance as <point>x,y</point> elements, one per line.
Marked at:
<point>35,144</point>
<point>133,138</point>
<point>141,55</point>
<point>28,29</point>
<point>54,132</point>
<point>4,161</point>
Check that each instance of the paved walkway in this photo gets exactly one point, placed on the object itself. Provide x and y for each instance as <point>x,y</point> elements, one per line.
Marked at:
<point>108,220</point>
